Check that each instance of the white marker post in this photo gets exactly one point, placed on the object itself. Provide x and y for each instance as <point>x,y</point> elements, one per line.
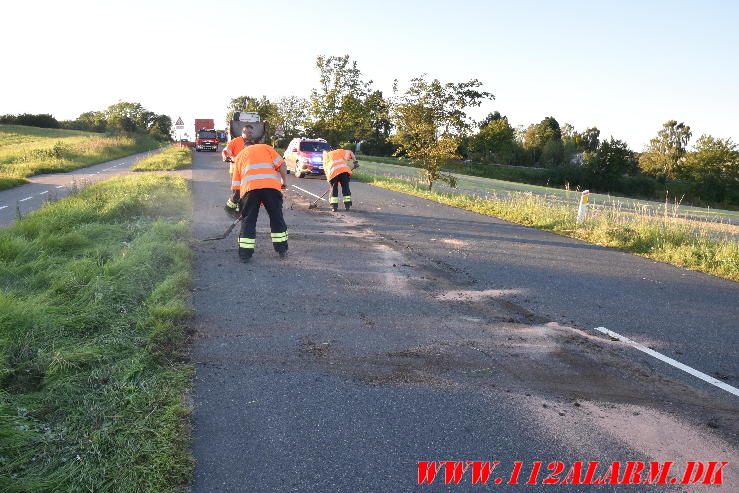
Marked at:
<point>583,209</point>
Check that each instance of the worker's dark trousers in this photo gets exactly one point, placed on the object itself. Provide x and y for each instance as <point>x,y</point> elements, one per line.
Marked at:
<point>342,178</point>
<point>272,200</point>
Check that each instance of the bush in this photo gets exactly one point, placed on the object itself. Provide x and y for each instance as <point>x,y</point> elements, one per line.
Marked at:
<point>43,120</point>
<point>378,148</point>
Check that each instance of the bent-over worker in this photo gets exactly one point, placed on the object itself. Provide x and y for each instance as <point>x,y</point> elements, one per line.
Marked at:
<point>261,174</point>
<point>337,169</point>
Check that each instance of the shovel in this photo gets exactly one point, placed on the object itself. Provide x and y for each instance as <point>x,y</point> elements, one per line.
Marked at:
<point>228,230</point>
<point>313,205</point>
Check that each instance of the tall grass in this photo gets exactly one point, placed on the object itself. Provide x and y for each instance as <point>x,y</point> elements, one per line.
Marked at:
<point>657,237</point>
<point>170,159</point>
<point>28,151</point>
<point>93,308</point>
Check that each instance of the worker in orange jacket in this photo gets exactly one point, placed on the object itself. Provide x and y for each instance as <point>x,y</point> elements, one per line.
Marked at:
<point>261,174</point>
<point>229,155</point>
<point>338,171</point>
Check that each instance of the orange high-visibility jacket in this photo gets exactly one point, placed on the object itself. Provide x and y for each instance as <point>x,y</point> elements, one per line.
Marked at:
<point>256,167</point>
<point>235,146</point>
<point>233,149</point>
<point>336,162</point>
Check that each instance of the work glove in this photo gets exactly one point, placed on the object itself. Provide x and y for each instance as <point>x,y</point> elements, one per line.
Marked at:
<point>283,186</point>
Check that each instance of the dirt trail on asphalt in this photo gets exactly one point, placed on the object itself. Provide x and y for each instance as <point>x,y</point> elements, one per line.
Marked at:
<point>344,365</point>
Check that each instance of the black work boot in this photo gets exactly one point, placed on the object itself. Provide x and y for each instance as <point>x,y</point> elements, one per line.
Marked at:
<point>334,207</point>
<point>347,205</point>
<point>282,252</point>
<point>245,255</point>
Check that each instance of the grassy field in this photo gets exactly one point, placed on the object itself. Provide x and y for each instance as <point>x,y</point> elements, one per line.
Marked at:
<point>626,187</point>
<point>721,219</point>
<point>170,159</point>
<point>28,151</point>
<point>94,305</point>
<point>662,238</point>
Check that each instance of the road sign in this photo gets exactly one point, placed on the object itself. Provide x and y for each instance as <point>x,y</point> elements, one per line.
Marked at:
<point>179,121</point>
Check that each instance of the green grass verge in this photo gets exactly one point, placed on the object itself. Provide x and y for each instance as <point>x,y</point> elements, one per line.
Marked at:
<point>94,304</point>
<point>29,151</point>
<point>648,236</point>
<point>170,159</point>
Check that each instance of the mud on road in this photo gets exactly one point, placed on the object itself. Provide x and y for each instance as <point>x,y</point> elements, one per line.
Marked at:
<point>361,349</point>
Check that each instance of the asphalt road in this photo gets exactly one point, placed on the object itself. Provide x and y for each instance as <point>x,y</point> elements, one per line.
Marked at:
<point>487,187</point>
<point>406,331</point>
<point>48,188</point>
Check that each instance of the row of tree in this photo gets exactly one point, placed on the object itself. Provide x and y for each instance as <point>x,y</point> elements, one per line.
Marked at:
<point>121,117</point>
<point>428,123</point>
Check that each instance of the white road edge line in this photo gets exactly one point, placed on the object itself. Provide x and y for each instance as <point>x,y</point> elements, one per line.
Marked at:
<point>309,193</point>
<point>44,192</point>
<point>27,198</point>
<point>699,374</point>
<point>3,207</point>
<point>60,186</point>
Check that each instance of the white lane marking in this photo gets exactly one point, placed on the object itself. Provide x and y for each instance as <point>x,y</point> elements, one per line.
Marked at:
<point>60,186</point>
<point>3,207</point>
<point>106,169</point>
<point>309,193</point>
<point>27,198</point>
<point>670,361</point>
<point>43,193</point>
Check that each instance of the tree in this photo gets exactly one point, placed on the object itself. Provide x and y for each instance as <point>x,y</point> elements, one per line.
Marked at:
<point>292,114</point>
<point>588,141</point>
<point>345,108</point>
<point>612,158</point>
<point>268,111</point>
<point>338,77</point>
<point>430,120</point>
<point>94,121</point>
<point>539,135</point>
<point>553,153</point>
<point>377,112</point>
<point>161,127</point>
<point>666,151</point>
<point>492,117</point>
<point>495,142</point>
<point>714,163</point>
<point>128,117</point>
<point>43,120</point>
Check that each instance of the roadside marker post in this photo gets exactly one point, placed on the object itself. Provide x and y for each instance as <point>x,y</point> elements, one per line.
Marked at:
<point>582,211</point>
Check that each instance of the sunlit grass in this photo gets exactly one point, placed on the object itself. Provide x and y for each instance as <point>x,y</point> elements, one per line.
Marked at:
<point>29,151</point>
<point>93,309</point>
<point>665,238</point>
<point>170,159</point>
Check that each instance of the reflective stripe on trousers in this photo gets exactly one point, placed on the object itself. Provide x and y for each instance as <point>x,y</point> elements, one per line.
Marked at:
<point>247,243</point>
<point>279,237</point>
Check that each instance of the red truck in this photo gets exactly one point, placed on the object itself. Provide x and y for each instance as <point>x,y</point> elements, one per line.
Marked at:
<point>206,135</point>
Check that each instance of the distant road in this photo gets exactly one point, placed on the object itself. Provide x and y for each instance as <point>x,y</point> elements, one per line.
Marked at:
<point>488,186</point>
<point>50,187</point>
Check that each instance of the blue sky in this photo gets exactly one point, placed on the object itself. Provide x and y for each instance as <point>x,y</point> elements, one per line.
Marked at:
<point>625,67</point>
